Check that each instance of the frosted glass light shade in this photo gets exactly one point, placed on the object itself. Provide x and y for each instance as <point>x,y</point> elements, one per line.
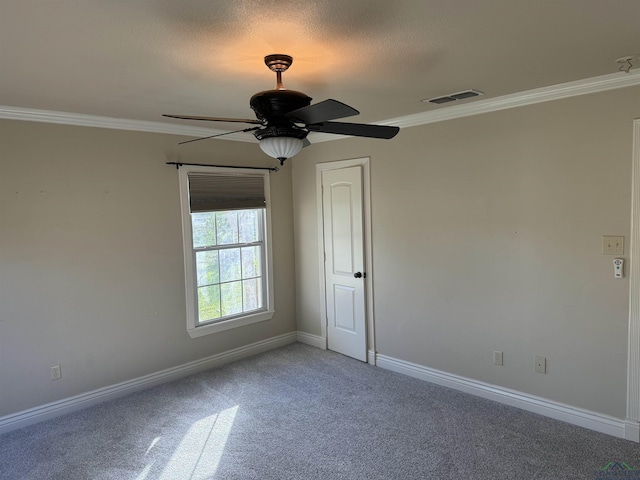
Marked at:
<point>281,147</point>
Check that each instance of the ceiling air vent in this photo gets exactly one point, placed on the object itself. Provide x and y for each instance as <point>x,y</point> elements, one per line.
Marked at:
<point>454,96</point>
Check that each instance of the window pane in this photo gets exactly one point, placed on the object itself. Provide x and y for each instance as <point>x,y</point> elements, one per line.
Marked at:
<point>227,227</point>
<point>251,262</point>
<point>207,268</point>
<point>252,294</point>
<point>231,295</point>
<point>204,229</point>
<point>230,265</point>
<point>208,303</point>
<point>248,225</point>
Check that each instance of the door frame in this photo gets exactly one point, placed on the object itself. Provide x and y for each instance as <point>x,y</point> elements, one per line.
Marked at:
<point>632,421</point>
<point>368,251</point>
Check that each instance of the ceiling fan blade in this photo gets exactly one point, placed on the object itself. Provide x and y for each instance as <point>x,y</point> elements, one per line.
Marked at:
<point>218,135</point>
<point>355,129</point>
<point>214,119</point>
<point>321,112</point>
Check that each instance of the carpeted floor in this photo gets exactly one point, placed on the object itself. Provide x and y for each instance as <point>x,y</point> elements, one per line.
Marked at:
<point>303,413</point>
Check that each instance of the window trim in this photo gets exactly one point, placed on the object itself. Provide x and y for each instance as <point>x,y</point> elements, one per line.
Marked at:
<point>191,293</point>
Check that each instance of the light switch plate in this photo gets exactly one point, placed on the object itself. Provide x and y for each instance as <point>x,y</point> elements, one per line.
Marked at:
<point>612,245</point>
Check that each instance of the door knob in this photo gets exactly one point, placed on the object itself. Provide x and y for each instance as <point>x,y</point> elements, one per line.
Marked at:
<point>360,275</point>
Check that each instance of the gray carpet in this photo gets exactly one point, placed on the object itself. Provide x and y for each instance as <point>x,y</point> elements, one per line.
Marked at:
<point>302,413</point>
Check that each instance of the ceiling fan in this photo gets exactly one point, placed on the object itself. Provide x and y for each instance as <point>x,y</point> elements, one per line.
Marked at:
<point>285,117</point>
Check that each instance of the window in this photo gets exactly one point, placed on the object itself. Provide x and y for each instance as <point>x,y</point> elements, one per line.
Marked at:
<point>225,222</point>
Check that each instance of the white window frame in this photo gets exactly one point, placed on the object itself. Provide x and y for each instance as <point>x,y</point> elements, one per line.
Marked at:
<point>193,328</point>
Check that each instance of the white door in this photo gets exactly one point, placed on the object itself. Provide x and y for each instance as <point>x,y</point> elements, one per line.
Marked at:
<point>344,261</point>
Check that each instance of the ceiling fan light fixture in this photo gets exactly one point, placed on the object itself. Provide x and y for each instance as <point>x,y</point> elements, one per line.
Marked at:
<point>281,147</point>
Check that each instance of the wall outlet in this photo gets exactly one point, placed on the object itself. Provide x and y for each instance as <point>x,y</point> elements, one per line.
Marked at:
<point>56,374</point>
<point>497,358</point>
<point>541,364</point>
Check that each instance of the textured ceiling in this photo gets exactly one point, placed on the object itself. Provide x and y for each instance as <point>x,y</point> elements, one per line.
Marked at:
<point>138,59</point>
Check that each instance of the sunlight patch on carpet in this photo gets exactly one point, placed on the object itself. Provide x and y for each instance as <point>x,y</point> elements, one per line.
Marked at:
<point>200,451</point>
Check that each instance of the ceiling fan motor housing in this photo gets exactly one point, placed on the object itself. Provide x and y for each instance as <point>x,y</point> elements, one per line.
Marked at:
<point>273,105</point>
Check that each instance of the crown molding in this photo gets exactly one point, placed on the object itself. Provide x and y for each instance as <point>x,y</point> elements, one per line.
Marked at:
<point>520,99</point>
<point>83,120</point>
<point>539,95</point>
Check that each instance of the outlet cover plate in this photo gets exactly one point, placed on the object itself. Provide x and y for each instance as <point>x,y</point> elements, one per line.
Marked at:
<point>497,358</point>
<point>541,364</point>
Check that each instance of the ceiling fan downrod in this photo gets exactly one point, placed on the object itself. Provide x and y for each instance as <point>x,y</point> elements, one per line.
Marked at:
<point>278,63</point>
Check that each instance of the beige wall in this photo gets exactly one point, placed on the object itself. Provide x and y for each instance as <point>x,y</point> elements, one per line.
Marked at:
<point>91,266</point>
<point>487,236</point>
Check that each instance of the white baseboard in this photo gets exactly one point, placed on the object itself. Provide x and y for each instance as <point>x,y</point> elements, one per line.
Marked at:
<point>566,413</point>
<point>84,400</point>
<point>627,429</point>
<point>313,340</point>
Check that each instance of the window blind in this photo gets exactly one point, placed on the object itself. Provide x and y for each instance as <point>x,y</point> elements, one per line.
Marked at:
<point>210,192</point>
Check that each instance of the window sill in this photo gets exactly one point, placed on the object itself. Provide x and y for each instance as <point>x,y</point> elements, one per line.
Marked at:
<point>202,330</point>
